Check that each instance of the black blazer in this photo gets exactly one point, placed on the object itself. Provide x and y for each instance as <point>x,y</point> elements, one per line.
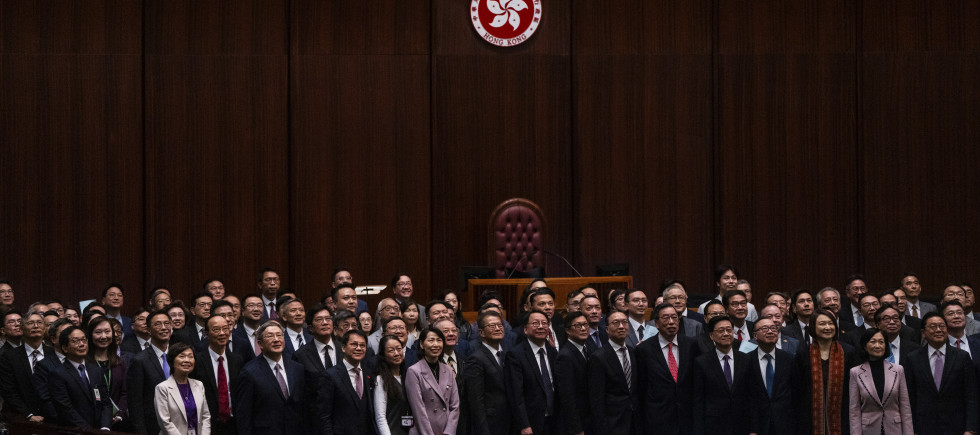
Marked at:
<point>805,392</point>
<point>667,404</point>
<point>145,372</point>
<point>204,372</point>
<point>16,384</point>
<point>310,359</point>
<point>905,347</point>
<point>290,349</point>
<point>242,345</point>
<point>776,413</point>
<point>41,375</point>
<point>338,409</point>
<point>130,344</point>
<point>526,389</point>
<point>76,403</point>
<point>694,315</point>
<point>485,389</point>
<point>952,408</point>
<point>793,329</point>
<point>572,389</point>
<point>613,401</point>
<point>190,334</point>
<point>259,405</point>
<point>719,409</point>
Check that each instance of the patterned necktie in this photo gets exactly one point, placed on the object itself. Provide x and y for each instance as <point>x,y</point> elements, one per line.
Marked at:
<point>627,367</point>
<point>166,367</point>
<point>671,361</point>
<point>915,311</point>
<point>282,382</point>
<point>357,382</point>
<point>728,372</point>
<point>299,340</point>
<point>452,364</point>
<point>146,345</point>
<point>551,338</point>
<point>34,359</point>
<point>224,402</point>
<point>891,357</point>
<point>204,336</point>
<point>549,389</point>
<point>858,319</point>
<point>938,372</point>
<point>770,373</point>
<point>272,311</point>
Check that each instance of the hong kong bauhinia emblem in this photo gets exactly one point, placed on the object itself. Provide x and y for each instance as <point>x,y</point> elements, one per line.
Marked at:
<point>505,22</point>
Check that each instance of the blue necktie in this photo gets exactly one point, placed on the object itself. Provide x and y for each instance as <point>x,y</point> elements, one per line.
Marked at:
<point>769,374</point>
<point>728,372</point>
<point>549,390</point>
<point>81,372</point>
<point>166,367</point>
<point>891,356</point>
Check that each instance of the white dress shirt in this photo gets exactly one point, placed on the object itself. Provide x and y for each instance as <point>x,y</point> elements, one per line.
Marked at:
<point>28,349</point>
<point>964,344</point>
<point>537,359</point>
<point>353,375</point>
<point>333,352</point>
<point>761,354</point>
<point>731,360</point>
<point>663,347</point>
<point>932,357</point>
<point>282,369</point>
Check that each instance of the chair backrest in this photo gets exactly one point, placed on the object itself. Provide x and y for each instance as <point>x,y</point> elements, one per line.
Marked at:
<point>517,229</point>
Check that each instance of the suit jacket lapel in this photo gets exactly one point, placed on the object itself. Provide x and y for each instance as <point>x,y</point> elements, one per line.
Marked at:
<point>267,371</point>
<point>174,394</point>
<point>868,383</point>
<point>891,377</point>
<point>440,386</point>
<point>73,372</point>
<point>345,381</point>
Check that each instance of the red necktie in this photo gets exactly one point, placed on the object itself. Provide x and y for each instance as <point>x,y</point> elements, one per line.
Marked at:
<point>739,335</point>
<point>551,338</point>
<point>958,343</point>
<point>671,361</point>
<point>224,405</point>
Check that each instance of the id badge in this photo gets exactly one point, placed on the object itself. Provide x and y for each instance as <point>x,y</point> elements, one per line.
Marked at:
<point>98,397</point>
<point>408,421</point>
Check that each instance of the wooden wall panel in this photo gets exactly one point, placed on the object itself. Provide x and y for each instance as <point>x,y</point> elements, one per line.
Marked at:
<point>785,152</point>
<point>217,150</point>
<point>360,184</point>
<point>70,110</point>
<point>360,27</point>
<point>919,129</point>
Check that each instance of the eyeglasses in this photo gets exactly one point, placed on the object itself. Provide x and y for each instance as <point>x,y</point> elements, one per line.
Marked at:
<point>357,345</point>
<point>767,329</point>
<point>397,328</point>
<point>322,319</point>
<point>582,325</point>
<point>254,305</point>
<point>6,292</point>
<point>957,313</point>
<point>34,323</point>
<point>538,324</point>
<point>272,335</point>
<point>619,322</point>
<point>221,329</point>
<point>493,326</point>
<point>936,327</point>
<point>78,340</point>
<point>669,318</point>
<point>675,298</point>
<point>889,319</point>
<point>392,308</point>
<point>404,284</point>
<point>724,331</point>
<point>738,303</point>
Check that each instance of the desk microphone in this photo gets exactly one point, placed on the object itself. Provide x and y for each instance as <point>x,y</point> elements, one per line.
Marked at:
<point>563,259</point>
<point>522,260</point>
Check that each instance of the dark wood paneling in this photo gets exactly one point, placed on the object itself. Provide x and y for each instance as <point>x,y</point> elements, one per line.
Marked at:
<point>361,27</point>
<point>453,32</point>
<point>786,165</point>
<point>65,26</point>
<point>911,25</point>
<point>501,130</point>
<point>641,27</point>
<point>242,27</point>
<point>360,183</point>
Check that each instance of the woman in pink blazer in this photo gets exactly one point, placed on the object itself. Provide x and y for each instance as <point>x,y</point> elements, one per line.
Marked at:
<point>431,389</point>
<point>879,396</point>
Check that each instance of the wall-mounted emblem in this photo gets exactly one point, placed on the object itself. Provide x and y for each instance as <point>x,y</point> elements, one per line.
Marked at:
<point>505,22</point>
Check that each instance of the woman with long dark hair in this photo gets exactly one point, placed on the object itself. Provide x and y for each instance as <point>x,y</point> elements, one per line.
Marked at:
<point>390,401</point>
<point>825,369</point>
<point>104,352</point>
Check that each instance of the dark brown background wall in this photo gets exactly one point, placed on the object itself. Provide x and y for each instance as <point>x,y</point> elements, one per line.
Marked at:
<point>161,142</point>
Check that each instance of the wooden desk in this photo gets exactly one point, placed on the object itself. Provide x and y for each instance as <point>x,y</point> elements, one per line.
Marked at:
<point>510,289</point>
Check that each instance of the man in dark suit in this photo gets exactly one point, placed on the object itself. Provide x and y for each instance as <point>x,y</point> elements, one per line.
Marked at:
<point>636,309</point>
<point>112,300</point>
<point>666,387</point>
<point>218,369</point>
<point>268,283</point>
<point>724,385</point>
<point>79,392</point>
<point>571,384</point>
<point>802,308</point>
<point>18,365</point>
<point>196,330</point>
<point>592,308</point>
<point>323,351</point>
<point>942,383</point>
<point>272,391</point>
<point>888,319</point>
<point>292,314</point>
<point>529,370</point>
<point>485,387</point>
<point>705,344</point>
<point>243,337</point>
<point>44,368</point>
<point>612,380</point>
<point>776,370</point>
<point>343,403</point>
<point>850,313</point>
<point>139,339</point>
<point>146,370</point>
<point>737,308</point>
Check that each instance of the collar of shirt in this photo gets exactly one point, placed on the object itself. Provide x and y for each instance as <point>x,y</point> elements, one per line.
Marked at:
<point>615,346</point>
<point>76,365</point>
<point>636,326</point>
<point>492,350</point>
<point>762,355</point>
<point>215,355</point>
<point>320,345</point>
<point>592,331</point>
<point>266,302</point>
<point>348,366</point>
<point>802,325</point>
<point>684,313</point>
<point>952,340</point>
<point>663,342</point>
<point>293,335</point>
<point>141,341</point>
<point>158,351</point>
<point>61,356</point>
<point>580,347</point>
<point>29,350</point>
<point>779,342</point>
<point>272,364</point>
<point>535,348</point>
<point>855,311</point>
<point>731,358</point>
<point>248,331</point>
<point>932,350</point>
<point>446,356</point>
<point>897,341</point>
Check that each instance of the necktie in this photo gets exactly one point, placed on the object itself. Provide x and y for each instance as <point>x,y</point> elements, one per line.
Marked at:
<point>327,362</point>
<point>671,361</point>
<point>224,402</point>
<point>255,340</point>
<point>299,340</point>
<point>500,358</point>
<point>728,372</point>
<point>958,343</point>
<point>551,338</point>
<point>146,345</point>
<point>549,390</point>
<point>34,359</point>
<point>357,382</point>
<point>740,334</point>
<point>938,372</point>
<point>452,364</point>
<point>858,319</point>
<point>770,373</point>
<point>639,332</point>
<point>595,339</point>
<point>891,357</point>
<point>204,336</point>
<point>627,367</point>
<point>915,310</point>
<point>282,382</point>
<point>272,311</point>
<point>166,367</point>
<point>81,372</point>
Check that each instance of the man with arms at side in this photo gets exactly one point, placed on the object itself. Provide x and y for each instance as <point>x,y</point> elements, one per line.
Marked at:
<point>942,384</point>
<point>272,390</point>
<point>613,380</point>
<point>343,402</point>
<point>887,319</point>
<point>146,370</point>
<point>724,386</point>
<point>912,288</point>
<point>323,351</point>
<point>636,311</point>
<point>485,387</point>
<point>112,299</point>
<point>218,369</point>
<point>79,391</point>
<point>244,339</point>
<point>139,339</point>
<point>268,283</point>
<point>18,366</point>
<point>529,369</point>
<point>292,314</point>
<point>666,374</point>
<point>571,384</point>
<point>776,370</point>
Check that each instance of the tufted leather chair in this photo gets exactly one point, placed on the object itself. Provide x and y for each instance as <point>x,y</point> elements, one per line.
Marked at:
<point>516,236</point>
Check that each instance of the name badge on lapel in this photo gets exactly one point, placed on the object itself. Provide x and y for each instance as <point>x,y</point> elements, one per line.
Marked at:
<point>98,397</point>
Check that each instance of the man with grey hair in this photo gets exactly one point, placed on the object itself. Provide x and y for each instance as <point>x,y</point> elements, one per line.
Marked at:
<point>272,390</point>
<point>828,298</point>
<point>745,286</point>
<point>387,309</point>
